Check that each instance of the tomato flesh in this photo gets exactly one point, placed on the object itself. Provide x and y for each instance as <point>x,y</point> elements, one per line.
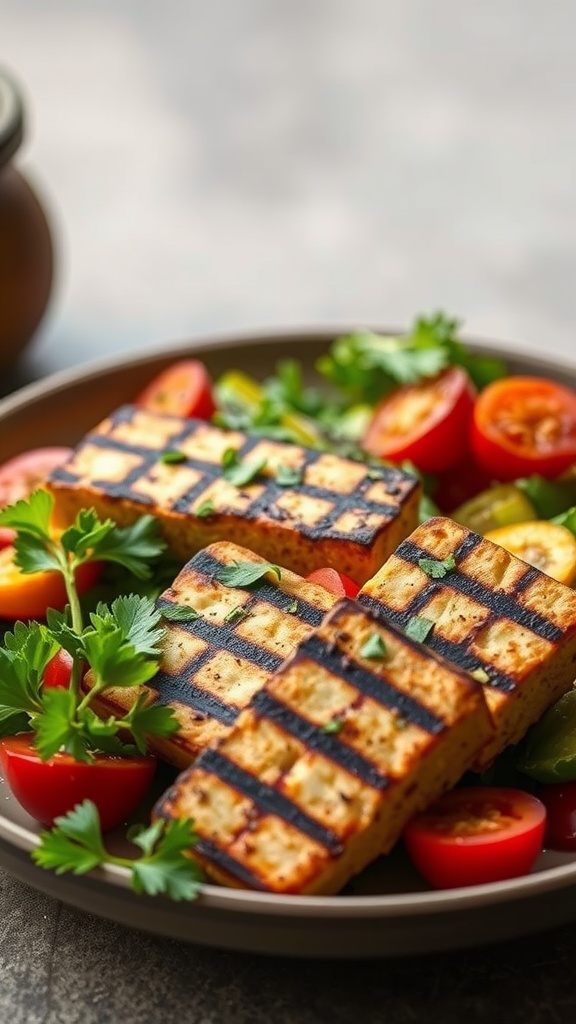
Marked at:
<point>524,425</point>
<point>29,595</point>
<point>22,474</point>
<point>48,789</point>
<point>183,389</point>
<point>427,423</point>
<point>334,581</point>
<point>477,835</point>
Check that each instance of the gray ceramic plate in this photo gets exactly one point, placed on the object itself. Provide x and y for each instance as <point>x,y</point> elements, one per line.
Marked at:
<point>389,913</point>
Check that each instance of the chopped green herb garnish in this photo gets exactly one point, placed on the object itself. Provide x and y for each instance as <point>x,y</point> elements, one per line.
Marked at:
<point>205,509</point>
<point>419,628</point>
<point>243,574</point>
<point>437,568</point>
<point>334,725</point>
<point>374,647</point>
<point>237,613</point>
<point>173,457</point>
<point>400,722</point>
<point>292,607</point>
<point>179,613</point>
<point>289,476</point>
<point>75,844</point>
<point>375,474</point>
<point>480,675</point>
<point>239,472</point>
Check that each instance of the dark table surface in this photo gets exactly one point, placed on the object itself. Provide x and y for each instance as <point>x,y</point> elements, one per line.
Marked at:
<point>229,165</point>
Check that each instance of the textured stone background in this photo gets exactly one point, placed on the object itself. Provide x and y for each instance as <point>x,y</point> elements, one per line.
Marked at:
<point>240,163</point>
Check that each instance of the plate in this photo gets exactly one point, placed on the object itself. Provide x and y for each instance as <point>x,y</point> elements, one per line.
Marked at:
<point>387,911</point>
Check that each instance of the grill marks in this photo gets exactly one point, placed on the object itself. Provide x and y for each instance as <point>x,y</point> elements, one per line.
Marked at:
<point>498,603</point>
<point>264,493</point>
<point>301,753</point>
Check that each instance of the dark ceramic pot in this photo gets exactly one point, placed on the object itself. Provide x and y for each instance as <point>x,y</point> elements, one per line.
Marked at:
<point>26,254</point>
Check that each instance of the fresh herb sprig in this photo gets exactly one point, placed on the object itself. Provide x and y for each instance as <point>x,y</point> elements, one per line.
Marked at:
<point>75,844</point>
<point>120,643</point>
<point>365,366</point>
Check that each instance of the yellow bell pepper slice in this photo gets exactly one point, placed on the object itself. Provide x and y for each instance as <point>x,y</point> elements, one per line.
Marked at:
<point>548,546</point>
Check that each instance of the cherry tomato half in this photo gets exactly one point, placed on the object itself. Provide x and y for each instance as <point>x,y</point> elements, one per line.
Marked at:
<point>524,425</point>
<point>29,595</point>
<point>183,389</point>
<point>58,670</point>
<point>22,474</point>
<point>428,423</point>
<point>334,581</point>
<point>559,799</point>
<point>47,789</point>
<point>476,835</point>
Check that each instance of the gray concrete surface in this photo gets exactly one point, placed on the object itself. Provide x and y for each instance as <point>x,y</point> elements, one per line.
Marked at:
<point>240,163</point>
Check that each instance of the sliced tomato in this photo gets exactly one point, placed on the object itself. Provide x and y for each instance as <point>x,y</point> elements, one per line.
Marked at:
<point>476,835</point>
<point>427,423</point>
<point>22,474</point>
<point>58,670</point>
<point>559,799</point>
<point>334,581</point>
<point>525,425</point>
<point>29,595</point>
<point>183,389</point>
<point>47,789</point>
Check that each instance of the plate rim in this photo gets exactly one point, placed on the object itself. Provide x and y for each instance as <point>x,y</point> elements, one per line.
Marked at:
<point>323,908</point>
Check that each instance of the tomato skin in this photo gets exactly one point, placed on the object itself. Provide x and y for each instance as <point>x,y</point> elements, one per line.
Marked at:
<point>427,423</point>
<point>47,789</point>
<point>335,582</point>
<point>22,474</point>
<point>183,389</point>
<point>29,595</point>
<point>459,484</point>
<point>524,425</point>
<point>58,670</point>
<point>451,845</point>
<point>559,799</point>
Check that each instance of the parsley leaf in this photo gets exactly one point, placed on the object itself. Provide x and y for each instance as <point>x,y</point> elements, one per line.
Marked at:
<point>173,457</point>
<point>289,476</point>
<point>235,614</point>
<point>243,574</point>
<point>75,844</point>
<point>419,628</point>
<point>333,726</point>
<point>179,613</point>
<point>374,647</point>
<point>437,568</point>
<point>205,509</point>
<point>239,472</point>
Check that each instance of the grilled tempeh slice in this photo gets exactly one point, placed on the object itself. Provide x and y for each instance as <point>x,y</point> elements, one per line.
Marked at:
<point>356,732</point>
<point>214,662</point>
<point>338,512</point>
<point>507,623</point>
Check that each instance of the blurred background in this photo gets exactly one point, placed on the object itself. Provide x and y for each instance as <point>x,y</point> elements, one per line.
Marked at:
<point>238,164</point>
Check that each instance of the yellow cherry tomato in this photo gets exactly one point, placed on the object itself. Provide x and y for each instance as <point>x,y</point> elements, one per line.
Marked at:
<point>546,545</point>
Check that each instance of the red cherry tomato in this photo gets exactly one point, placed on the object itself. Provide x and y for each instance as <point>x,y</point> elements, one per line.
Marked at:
<point>428,423</point>
<point>336,582</point>
<point>22,474</point>
<point>184,389</point>
<point>524,425</point>
<point>29,595</point>
<point>58,670</point>
<point>559,799</point>
<point>476,835</point>
<point>47,789</point>
<point>460,484</point>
